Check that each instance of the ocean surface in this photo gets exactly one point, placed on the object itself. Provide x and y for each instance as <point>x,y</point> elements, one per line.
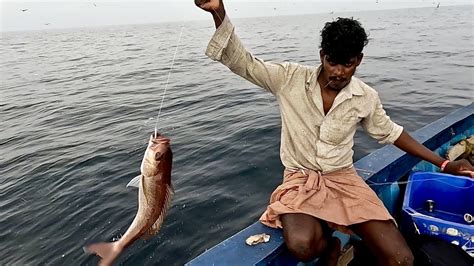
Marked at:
<point>78,105</point>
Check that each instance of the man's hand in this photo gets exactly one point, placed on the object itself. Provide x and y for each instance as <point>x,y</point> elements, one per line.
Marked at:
<point>209,5</point>
<point>215,7</point>
<point>460,167</point>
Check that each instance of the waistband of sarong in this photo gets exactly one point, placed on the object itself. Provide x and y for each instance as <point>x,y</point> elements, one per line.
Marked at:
<point>306,171</point>
<point>314,177</point>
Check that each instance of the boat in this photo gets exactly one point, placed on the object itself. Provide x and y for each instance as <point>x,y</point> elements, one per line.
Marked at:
<point>386,170</point>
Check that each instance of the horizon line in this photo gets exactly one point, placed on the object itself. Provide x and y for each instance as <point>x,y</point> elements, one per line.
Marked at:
<point>210,19</point>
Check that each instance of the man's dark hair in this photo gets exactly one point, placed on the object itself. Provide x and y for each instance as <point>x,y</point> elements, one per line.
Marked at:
<point>343,39</point>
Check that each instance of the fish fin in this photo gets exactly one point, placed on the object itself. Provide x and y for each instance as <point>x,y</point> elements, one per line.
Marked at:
<point>135,182</point>
<point>157,225</point>
<point>107,251</point>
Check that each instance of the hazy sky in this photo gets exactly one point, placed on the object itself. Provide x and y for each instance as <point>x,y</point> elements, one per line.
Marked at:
<point>86,13</point>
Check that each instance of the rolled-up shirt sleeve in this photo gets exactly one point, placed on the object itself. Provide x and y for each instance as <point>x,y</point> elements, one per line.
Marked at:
<point>227,48</point>
<point>379,125</point>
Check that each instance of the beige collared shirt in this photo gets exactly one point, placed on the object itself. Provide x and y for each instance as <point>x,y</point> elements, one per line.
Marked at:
<point>309,138</point>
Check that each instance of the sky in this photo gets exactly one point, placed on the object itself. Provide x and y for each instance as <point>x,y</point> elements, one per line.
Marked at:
<point>19,15</point>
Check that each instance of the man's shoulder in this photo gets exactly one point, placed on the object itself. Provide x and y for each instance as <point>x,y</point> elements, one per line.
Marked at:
<point>363,87</point>
<point>296,66</point>
<point>297,70</point>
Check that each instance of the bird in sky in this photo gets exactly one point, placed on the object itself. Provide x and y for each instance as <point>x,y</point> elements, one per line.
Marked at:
<point>24,10</point>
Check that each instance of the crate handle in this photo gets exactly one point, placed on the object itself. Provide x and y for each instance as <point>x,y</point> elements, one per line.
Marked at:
<point>468,218</point>
<point>410,211</point>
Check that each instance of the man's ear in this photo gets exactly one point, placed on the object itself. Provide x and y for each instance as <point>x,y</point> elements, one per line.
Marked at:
<point>359,58</point>
<point>321,55</point>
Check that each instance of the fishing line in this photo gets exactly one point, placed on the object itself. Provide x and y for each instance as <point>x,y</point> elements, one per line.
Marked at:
<point>413,181</point>
<point>373,183</point>
<point>167,81</point>
<point>439,179</point>
<point>365,171</point>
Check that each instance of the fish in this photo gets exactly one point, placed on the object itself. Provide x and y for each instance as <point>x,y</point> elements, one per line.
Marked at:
<point>154,198</point>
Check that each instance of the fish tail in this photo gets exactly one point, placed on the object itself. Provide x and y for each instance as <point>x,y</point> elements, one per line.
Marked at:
<point>107,251</point>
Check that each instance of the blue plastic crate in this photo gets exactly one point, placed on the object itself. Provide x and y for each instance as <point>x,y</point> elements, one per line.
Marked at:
<point>436,204</point>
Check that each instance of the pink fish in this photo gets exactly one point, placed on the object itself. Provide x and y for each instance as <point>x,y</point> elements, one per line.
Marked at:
<point>154,198</point>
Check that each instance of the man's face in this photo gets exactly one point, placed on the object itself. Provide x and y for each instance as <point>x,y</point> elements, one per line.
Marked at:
<point>338,75</point>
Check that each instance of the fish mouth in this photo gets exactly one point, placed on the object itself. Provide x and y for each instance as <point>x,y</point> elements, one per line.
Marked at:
<point>159,139</point>
<point>160,145</point>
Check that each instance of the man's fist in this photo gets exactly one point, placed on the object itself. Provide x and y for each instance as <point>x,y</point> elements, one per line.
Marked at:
<point>209,5</point>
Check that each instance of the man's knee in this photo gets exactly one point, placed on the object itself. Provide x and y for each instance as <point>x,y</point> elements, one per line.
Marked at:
<point>304,236</point>
<point>305,248</point>
<point>402,257</point>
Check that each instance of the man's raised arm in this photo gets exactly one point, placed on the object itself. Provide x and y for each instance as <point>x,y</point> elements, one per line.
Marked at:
<point>226,48</point>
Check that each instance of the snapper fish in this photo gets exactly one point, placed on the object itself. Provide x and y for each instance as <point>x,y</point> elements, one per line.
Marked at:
<point>154,198</point>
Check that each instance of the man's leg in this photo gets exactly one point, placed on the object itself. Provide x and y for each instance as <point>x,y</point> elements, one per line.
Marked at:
<point>305,238</point>
<point>385,242</point>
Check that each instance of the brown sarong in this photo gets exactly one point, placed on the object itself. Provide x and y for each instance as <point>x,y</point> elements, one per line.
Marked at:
<point>341,198</point>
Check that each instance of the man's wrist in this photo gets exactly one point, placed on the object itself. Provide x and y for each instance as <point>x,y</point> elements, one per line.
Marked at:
<point>443,165</point>
<point>219,14</point>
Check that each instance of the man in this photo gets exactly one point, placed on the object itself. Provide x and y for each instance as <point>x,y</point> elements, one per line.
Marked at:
<point>320,109</point>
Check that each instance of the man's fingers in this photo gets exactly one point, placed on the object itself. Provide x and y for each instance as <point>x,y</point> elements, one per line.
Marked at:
<point>467,173</point>
<point>200,2</point>
<point>207,5</point>
<point>203,4</point>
